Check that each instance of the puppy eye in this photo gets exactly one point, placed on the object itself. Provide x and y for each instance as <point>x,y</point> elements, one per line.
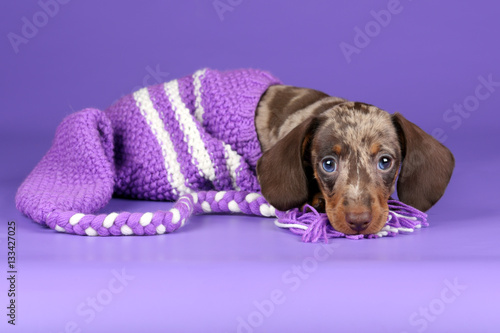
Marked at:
<point>329,164</point>
<point>384,163</point>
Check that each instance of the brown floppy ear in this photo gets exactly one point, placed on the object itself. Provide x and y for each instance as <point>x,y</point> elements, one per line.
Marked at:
<point>281,170</point>
<point>427,165</point>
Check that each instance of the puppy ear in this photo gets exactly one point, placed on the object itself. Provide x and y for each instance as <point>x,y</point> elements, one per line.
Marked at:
<point>281,170</point>
<point>427,165</point>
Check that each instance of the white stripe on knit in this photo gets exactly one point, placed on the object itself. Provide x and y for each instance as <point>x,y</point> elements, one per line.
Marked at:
<point>198,113</point>
<point>232,164</point>
<point>176,215</point>
<point>172,166</point>
<point>196,147</point>
<point>290,225</point>
<point>267,210</point>
<point>74,219</point>
<point>232,158</point>
<point>109,220</point>
<point>91,232</point>
<point>126,230</point>
<point>60,229</point>
<point>413,218</point>
<point>146,219</point>
<point>161,229</point>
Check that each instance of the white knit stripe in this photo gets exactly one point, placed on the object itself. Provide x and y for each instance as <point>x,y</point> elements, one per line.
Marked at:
<point>389,228</point>
<point>267,210</point>
<point>109,220</point>
<point>60,229</point>
<point>126,230</point>
<point>161,229</point>
<point>382,233</point>
<point>74,219</point>
<point>206,207</point>
<point>176,215</point>
<point>233,207</point>
<point>199,111</point>
<point>199,154</point>
<point>91,232</point>
<point>195,197</point>
<point>232,158</point>
<point>290,225</point>
<point>146,219</point>
<point>232,164</point>
<point>172,166</point>
<point>413,218</point>
<point>220,195</point>
<point>251,197</point>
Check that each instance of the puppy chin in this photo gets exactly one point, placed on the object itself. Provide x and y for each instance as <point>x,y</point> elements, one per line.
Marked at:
<point>338,222</point>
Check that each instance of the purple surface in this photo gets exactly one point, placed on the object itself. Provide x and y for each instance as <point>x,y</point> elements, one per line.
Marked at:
<point>218,270</point>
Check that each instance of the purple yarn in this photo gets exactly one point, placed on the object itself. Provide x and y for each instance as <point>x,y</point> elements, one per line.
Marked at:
<point>192,140</point>
<point>193,134</point>
<point>315,226</point>
<point>308,223</point>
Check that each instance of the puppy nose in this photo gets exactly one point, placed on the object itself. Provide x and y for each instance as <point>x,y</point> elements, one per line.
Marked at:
<point>358,221</point>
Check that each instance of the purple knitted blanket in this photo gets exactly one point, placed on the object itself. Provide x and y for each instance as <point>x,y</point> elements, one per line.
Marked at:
<point>180,140</point>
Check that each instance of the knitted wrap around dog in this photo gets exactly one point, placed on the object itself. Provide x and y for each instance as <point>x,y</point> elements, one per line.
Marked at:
<point>192,140</point>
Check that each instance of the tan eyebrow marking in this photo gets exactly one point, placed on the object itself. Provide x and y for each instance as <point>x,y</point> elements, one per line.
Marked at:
<point>375,148</point>
<point>337,149</point>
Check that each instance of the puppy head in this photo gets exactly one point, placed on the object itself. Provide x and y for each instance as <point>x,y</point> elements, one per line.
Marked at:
<point>348,159</point>
<point>355,156</point>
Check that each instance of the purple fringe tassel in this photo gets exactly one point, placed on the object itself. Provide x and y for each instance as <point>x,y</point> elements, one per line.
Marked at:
<point>314,226</point>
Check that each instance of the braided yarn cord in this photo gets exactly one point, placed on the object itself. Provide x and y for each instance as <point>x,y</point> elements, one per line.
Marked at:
<point>192,140</point>
<point>192,134</point>
<point>312,225</point>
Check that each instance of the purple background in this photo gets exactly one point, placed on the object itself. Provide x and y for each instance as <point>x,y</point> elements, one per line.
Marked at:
<point>222,269</point>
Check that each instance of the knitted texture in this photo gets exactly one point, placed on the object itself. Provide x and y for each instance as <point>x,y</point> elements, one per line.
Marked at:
<point>187,135</point>
<point>308,223</point>
<point>192,140</point>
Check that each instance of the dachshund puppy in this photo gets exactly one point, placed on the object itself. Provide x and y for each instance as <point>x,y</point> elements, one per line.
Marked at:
<point>344,158</point>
